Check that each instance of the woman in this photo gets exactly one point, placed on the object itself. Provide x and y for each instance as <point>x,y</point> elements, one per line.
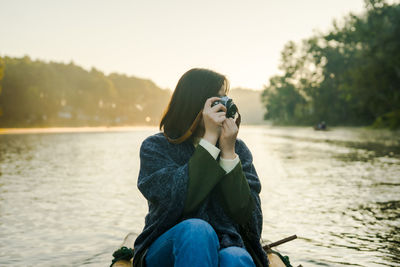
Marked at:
<point>201,186</point>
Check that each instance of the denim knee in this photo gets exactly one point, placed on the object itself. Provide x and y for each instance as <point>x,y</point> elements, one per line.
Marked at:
<point>192,243</point>
<point>198,229</point>
<point>235,256</point>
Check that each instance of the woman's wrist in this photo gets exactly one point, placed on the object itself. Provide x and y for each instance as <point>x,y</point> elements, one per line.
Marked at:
<point>228,154</point>
<point>210,138</point>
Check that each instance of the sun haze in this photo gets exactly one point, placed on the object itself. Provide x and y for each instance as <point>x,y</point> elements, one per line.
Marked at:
<point>160,40</point>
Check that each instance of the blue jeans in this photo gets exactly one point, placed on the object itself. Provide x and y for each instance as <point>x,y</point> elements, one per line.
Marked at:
<point>194,243</point>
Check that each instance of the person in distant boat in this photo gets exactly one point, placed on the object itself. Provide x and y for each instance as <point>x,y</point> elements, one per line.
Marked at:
<point>200,183</point>
<point>320,126</point>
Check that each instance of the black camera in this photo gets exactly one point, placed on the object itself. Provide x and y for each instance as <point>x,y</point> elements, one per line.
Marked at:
<point>231,108</point>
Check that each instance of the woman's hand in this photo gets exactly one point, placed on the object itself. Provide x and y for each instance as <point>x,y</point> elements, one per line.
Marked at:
<point>227,138</point>
<point>213,118</point>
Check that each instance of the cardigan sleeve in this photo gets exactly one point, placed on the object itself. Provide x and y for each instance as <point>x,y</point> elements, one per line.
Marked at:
<point>161,180</point>
<point>253,226</point>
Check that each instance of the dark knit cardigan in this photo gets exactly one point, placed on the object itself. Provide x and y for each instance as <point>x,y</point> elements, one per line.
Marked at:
<point>164,182</point>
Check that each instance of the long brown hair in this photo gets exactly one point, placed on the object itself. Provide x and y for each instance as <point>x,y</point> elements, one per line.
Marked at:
<point>191,92</point>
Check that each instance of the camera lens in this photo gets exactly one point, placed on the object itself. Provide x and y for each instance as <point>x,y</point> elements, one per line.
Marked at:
<point>231,108</point>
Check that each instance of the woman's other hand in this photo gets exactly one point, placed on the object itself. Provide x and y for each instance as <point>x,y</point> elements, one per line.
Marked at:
<point>213,118</point>
<point>227,138</point>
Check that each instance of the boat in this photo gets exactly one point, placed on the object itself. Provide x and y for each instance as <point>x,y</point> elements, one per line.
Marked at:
<point>320,126</point>
<point>275,259</point>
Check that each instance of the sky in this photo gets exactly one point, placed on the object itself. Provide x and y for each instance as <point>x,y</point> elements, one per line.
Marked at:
<point>161,40</point>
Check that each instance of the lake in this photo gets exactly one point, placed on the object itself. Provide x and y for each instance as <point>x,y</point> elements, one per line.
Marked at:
<point>69,199</point>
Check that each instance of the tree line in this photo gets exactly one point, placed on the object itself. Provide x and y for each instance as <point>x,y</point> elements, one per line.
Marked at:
<point>49,94</point>
<point>347,76</point>
<point>35,93</point>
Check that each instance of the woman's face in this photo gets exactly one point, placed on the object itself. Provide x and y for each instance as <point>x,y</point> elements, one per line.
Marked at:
<point>221,93</point>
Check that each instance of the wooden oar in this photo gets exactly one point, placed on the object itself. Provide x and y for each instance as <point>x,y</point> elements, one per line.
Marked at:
<point>279,242</point>
<point>274,260</point>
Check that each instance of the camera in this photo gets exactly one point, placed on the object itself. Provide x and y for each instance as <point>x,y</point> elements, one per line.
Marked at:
<point>231,108</point>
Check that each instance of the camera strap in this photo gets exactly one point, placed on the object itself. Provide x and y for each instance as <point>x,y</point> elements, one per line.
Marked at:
<point>193,127</point>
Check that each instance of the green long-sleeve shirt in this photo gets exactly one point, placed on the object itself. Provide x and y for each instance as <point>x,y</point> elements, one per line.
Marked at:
<point>205,174</point>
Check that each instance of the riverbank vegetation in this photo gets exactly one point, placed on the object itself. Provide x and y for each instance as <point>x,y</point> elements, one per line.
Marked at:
<point>48,94</point>
<point>347,76</point>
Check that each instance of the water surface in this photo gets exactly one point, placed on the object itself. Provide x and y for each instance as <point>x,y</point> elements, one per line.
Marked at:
<point>69,199</point>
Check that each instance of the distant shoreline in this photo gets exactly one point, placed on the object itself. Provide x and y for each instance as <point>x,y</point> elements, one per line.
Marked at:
<point>84,129</point>
<point>88,129</point>
<point>4,131</point>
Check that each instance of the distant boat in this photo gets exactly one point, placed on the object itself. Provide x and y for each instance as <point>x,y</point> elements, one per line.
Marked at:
<point>320,126</point>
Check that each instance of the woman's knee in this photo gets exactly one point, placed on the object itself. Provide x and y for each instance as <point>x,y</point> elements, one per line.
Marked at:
<point>197,229</point>
<point>197,226</point>
<point>235,256</point>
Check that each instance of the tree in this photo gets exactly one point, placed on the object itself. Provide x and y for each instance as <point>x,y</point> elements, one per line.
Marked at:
<point>350,75</point>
